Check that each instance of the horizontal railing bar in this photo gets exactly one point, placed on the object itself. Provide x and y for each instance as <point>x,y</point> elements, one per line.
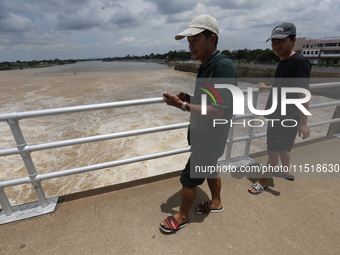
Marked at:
<point>243,116</point>
<point>7,152</point>
<point>73,109</point>
<point>324,122</point>
<point>324,85</point>
<point>246,137</point>
<point>324,104</point>
<point>98,138</point>
<point>62,173</point>
<point>259,135</point>
<point>15,182</point>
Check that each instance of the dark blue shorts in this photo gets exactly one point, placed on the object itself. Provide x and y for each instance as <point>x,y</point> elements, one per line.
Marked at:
<point>281,138</point>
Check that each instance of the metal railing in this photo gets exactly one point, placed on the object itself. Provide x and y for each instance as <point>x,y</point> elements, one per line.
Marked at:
<point>245,159</point>
<point>45,205</point>
<point>273,66</point>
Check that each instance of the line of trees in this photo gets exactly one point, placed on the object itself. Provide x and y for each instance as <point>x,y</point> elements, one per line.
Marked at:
<point>241,56</point>
<point>170,56</point>
<point>34,63</point>
<point>247,56</point>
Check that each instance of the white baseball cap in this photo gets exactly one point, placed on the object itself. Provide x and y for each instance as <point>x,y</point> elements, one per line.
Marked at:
<point>198,25</point>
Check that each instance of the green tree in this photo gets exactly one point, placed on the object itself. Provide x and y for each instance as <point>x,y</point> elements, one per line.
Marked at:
<point>172,55</point>
<point>227,53</point>
<point>267,56</point>
<point>243,55</point>
<point>184,55</point>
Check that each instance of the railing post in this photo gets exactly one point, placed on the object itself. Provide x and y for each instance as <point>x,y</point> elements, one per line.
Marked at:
<point>26,157</point>
<point>250,128</point>
<point>6,206</point>
<point>335,127</point>
<point>242,160</point>
<point>229,145</point>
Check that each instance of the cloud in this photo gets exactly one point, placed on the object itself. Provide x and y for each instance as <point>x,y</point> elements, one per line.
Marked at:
<point>34,8</point>
<point>234,4</point>
<point>296,6</point>
<point>126,40</point>
<point>125,19</point>
<point>13,23</point>
<point>132,42</point>
<point>3,11</point>
<point>174,6</point>
<point>179,6</point>
<point>80,20</point>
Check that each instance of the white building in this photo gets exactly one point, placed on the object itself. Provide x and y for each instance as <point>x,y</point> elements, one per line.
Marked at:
<point>319,51</point>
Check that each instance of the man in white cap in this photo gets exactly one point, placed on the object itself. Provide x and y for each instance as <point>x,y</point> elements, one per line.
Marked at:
<point>292,71</point>
<point>207,142</point>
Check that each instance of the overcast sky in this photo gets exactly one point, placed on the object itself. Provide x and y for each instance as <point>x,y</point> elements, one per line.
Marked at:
<point>64,29</point>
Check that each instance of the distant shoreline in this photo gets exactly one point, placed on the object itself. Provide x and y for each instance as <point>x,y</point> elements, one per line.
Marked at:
<point>158,61</point>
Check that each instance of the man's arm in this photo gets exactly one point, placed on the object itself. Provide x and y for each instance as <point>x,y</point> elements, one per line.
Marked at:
<point>304,73</point>
<point>212,112</point>
<point>303,128</point>
<point>223,71</point>
<point>263,86</point>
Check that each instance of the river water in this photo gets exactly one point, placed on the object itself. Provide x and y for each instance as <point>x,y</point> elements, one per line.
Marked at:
<point>102,82</point>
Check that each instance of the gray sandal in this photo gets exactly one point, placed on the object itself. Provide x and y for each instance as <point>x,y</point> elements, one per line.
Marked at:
<point>288,177</point>
<point>257,186</point>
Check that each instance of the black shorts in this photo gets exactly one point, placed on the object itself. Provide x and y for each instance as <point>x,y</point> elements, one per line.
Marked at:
<point>190,178</point>
<point>281,137</point>
<point>187,181</point>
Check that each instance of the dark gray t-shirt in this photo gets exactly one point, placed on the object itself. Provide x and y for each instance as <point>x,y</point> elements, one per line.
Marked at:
<point>203,134</point>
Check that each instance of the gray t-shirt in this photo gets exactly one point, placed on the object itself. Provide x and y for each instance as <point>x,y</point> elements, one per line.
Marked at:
<point>203,135</point>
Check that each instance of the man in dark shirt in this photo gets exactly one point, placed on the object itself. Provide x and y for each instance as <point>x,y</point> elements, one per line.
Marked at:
<point>292,71</point>
<point>207,142</point>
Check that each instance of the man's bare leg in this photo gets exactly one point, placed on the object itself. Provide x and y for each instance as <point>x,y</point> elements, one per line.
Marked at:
<point>215,189</point>
<point>188,197</point>
<point>285,161</point>
<point>273,160</point>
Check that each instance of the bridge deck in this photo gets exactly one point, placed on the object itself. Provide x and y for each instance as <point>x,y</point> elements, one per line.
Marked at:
<point>300,217</point>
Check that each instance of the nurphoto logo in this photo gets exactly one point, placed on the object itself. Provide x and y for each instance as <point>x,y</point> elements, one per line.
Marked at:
<point>238,104</point>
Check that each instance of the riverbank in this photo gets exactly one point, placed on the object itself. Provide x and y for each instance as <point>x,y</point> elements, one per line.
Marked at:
<point>5,66</point>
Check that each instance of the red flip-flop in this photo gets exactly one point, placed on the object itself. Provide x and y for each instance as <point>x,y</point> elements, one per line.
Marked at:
<point>173,225</point>
<point>204,208</point>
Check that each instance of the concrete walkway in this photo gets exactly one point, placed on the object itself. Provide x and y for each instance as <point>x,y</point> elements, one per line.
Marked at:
<point>299,217</point>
